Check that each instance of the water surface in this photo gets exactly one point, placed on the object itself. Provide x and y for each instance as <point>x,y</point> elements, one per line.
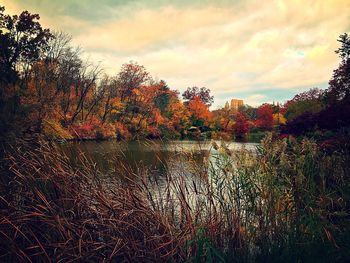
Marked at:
<point>156,155</point>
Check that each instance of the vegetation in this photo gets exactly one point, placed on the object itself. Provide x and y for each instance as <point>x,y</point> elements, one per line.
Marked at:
<point>47,88</point>
<point>289,202</point>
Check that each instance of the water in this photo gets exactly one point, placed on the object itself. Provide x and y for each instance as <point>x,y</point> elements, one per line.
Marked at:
<point>157,156</point>
<point>169,169</point>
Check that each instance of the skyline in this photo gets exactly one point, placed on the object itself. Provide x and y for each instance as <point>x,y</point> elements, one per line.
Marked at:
<point>246,50</point>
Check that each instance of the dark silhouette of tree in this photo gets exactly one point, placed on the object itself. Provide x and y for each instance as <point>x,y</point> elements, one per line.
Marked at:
<point>203,93</point>
<point>309,101</point>
<point>335,115</point>
<point>22,43</point>
<point>339,85</point>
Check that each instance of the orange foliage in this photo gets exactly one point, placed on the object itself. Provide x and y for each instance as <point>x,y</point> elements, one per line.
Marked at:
<point>199,110</point>
<point>93,129</point>
<point>179,115</point>
<point>153,132</point>
<point>158,118</point>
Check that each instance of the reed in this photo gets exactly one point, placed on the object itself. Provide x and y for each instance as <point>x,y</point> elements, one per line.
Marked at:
<point>286,201</point>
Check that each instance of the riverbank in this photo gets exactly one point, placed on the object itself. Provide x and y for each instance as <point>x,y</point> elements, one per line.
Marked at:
<point>95,135</point>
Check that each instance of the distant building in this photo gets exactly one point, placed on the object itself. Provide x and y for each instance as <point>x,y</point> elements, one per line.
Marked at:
<point>236,104</point>
<point>227,106</point>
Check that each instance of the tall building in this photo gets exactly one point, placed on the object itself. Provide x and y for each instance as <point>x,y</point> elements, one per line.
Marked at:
<point>235,104</point>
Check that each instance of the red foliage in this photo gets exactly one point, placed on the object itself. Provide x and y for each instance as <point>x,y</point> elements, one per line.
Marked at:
<point>265,117</point>
<point>93,129</point>
<point>241,126</point>
<point>122,131</point>
<point>153,132</point>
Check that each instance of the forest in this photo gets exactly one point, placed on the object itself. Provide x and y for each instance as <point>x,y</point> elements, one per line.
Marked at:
<point>48,88</point>
<point>286,201</point>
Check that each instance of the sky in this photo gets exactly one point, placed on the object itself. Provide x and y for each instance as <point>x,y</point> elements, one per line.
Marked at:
<point>258,51</point>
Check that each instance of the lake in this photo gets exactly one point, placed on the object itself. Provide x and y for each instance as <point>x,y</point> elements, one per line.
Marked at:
<point>156,156</point>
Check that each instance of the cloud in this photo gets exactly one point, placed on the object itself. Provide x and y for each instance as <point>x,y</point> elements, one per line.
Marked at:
<point>230,48</point>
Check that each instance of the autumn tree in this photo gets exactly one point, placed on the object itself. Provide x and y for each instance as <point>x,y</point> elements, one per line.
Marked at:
<point>69,73</point>
<point>264,117</point>
<point>108,88</point>
<point>130,77</point>
<point>200,114</point>
<point>279,119</point>
<point>177,113</point>
<point>241,126</point>
<point>203,93</point>
<point>225,119</point>
<point>41,99</point>
<point>83,89</point>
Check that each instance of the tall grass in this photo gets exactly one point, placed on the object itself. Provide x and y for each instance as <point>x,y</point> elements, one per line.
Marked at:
<point>286,201</point>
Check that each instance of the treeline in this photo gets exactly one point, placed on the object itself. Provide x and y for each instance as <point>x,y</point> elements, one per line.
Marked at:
<point>48,88</point>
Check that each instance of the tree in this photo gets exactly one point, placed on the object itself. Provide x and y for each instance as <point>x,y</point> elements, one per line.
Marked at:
<point>264,117</point>
<point>241,126</point>
<point>84,87</point>
<point>249,111</point>
<point>177,113</point>
<point>199,111</point>
<point>22,42</point>
<point>130,77</point>
<point>108,88</point>
<point>344,50</point>
<point>41,99</point>
<point>279,119</point>
<point>339,85</point>
<point>161,100</point>
<point>335,114</point>
<point>203,93</point>
<point>308,101</point>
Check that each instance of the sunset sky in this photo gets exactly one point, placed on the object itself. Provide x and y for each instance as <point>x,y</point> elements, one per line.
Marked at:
<point>259,51</point>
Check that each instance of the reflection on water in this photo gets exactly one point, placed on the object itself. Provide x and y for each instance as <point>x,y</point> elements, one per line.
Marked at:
<point>171,168</point>
<point>156,156</point>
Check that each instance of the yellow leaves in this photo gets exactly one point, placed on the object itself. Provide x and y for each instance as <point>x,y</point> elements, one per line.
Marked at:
<point>117,106</point>
<point>54,129</point>
<point>278,119</point>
